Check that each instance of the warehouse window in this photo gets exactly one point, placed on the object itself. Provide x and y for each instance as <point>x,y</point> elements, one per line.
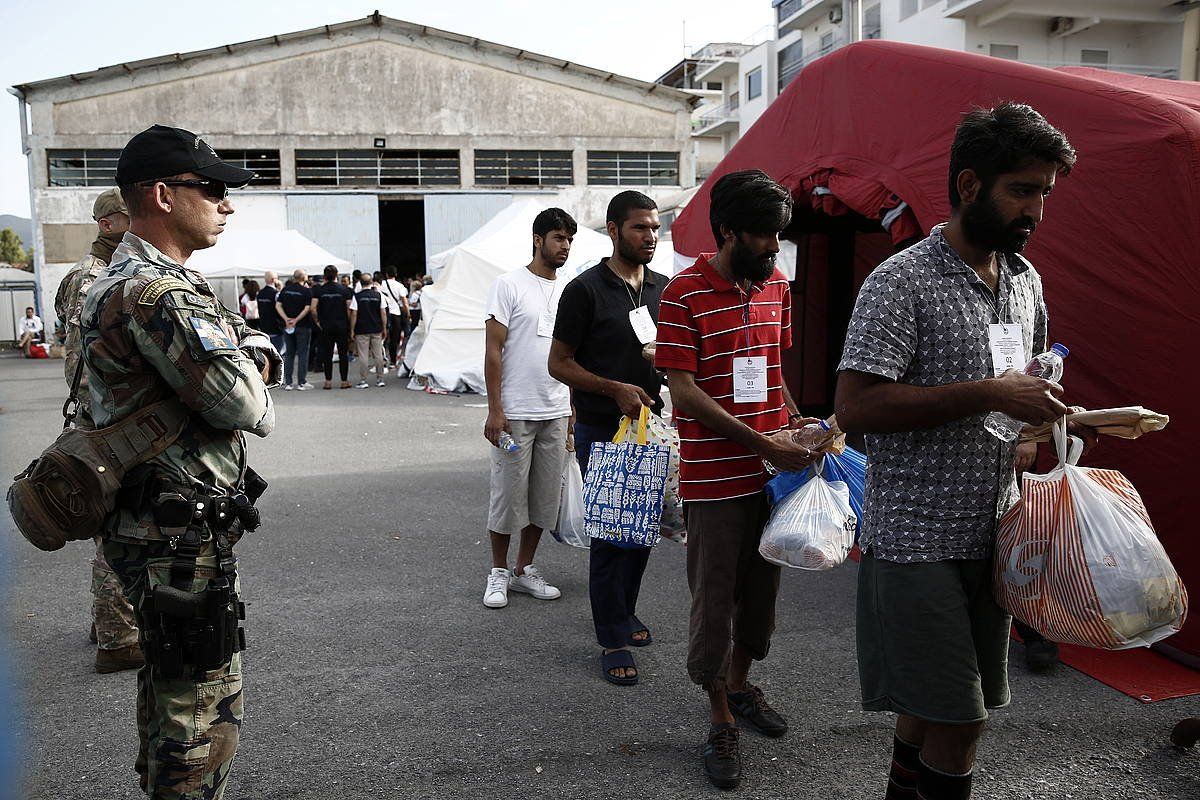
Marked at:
<point>908,8</point>
<point>265,164</point>
<point>617,168</point>
<point>1094,58</point>
<point>523,168</point>
<point>82,167</point>
<point>377,168</point>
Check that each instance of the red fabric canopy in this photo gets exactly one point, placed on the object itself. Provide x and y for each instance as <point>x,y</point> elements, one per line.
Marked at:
<point>1118,247</point>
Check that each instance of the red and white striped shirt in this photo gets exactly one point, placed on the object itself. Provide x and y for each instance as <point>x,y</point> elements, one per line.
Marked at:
<point>703,322</point>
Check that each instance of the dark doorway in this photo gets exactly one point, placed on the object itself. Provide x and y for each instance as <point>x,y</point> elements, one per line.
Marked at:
<point>834,255</point>
<point>402,236</point>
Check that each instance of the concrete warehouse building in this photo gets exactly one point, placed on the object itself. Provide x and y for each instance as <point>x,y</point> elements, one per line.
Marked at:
<point>383,141</point>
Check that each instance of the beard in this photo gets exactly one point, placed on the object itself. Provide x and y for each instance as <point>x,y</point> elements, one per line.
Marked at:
<point>985,227</point>
<point>551,259</point>
<point>632,253</point>
<point>747,265</point>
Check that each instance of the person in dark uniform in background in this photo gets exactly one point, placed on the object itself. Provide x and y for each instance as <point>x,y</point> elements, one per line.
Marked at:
<point>331,310</point>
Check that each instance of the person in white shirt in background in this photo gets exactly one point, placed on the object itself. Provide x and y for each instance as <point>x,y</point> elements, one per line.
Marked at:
<point>395,299</point>
<point>29,330</point>
<point>529,406</point>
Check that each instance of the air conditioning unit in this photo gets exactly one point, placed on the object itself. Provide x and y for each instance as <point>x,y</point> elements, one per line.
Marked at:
<point>1061,26</point>
<point>835,14</point>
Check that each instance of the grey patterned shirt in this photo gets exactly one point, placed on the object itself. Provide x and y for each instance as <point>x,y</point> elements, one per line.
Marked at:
<point>922,319</point>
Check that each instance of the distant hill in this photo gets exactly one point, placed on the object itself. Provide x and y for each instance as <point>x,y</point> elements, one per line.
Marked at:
<point>22,226</point>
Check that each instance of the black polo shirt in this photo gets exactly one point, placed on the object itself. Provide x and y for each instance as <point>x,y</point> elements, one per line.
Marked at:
<point>332,298</point>
<point>295,297</point>
<point>593,317</point>
<point>268,318</point>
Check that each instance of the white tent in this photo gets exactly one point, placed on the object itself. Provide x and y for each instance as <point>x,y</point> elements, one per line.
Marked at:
<point>447,349</point>
<point>251,252</point>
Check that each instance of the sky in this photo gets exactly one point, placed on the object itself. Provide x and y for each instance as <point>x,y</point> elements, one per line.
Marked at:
<point>637,38</point>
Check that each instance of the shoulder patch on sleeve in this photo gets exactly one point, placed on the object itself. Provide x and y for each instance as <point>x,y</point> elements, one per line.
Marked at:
<point>212,337</point>
<point>158,287</point>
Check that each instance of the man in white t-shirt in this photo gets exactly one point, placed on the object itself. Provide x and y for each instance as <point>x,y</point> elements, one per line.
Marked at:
<point>529,412</point>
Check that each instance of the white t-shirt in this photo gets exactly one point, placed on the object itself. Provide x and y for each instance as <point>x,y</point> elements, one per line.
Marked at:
<point>393,295</point>
<point>31,324</point>
<point>414,300</point>
<point>527,305</point>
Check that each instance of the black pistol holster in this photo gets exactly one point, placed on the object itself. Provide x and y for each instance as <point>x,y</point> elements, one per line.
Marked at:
<point>189,632</point>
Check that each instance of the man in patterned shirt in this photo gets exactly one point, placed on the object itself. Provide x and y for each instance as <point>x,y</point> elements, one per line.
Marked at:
<point>917,378</point>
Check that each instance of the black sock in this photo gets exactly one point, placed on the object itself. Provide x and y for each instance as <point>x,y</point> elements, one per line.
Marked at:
<point>902,780</point>
<point>934,784</point>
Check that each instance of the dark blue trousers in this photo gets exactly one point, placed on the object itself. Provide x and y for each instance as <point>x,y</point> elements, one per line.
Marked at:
<point>614,573</point>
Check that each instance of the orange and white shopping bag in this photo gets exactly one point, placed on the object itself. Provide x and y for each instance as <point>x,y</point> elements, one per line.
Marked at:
<point>1078,560</point>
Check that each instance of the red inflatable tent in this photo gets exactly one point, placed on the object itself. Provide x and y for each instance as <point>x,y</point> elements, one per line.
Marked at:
<point>862,140</point>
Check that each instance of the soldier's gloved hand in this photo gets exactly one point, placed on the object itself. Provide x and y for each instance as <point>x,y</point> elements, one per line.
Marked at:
<point>258,346</point>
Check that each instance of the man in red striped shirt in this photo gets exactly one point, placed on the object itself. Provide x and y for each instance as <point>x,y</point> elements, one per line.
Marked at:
<point>723,323</point>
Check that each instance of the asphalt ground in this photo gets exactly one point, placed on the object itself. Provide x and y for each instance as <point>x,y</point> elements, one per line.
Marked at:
<point>375,671</point>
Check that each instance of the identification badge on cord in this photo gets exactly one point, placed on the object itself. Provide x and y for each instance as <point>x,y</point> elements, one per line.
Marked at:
<point>750,379</point>
<point>643,325</point>
<point>1007,344</point>
<point>546,322</point>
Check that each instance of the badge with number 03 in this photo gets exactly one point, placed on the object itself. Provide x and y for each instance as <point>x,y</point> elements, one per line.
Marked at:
<point>750,379</point>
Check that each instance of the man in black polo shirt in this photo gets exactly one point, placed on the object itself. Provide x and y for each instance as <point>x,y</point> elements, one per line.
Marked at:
<point>606,317</point>
<point>368,319</point>
<point>292,304</point>
<point>331,308</point>
<point>268,317</point>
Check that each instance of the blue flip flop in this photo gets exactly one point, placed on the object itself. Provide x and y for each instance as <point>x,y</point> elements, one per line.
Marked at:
<point>615,660</point>
<point>638,626</point>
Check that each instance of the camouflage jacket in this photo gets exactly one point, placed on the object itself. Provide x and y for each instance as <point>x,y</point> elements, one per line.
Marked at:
<point>68,305</point>
<point>152,328</point>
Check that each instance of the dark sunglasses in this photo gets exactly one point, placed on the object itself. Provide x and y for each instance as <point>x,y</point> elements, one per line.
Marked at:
<point>215,190</point>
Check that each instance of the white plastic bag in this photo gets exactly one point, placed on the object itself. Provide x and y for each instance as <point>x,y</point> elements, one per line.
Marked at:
<point>1078,560</point>
<point>570,528</point>
<point>813,528</point>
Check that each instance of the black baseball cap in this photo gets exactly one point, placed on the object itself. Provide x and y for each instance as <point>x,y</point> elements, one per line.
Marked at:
<point>159,152</point>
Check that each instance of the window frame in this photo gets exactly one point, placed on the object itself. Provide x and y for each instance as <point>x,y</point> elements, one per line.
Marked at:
<point>241,157</point>
<point>633,167</point>
<point>548,169</point>
<point>750,76</point>
<point>432,167</point>
<point>89,175</point>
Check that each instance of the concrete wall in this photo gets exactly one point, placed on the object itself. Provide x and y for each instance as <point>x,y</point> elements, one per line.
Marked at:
<point>1144,44</point>
<point>761,57</point>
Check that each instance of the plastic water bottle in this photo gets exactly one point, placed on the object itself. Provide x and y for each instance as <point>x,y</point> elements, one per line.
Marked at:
<point>1048,365</point>
<point>506,442</point>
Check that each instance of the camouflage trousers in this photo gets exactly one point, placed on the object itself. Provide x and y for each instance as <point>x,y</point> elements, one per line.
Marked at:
<point>188,729</point>
<point>112,613</point>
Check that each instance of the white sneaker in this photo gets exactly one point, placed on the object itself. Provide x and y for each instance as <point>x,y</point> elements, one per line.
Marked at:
<point>496,593</point>
<point>371,370</point>
<point>361,385</point>
<point>533,583</point>
<point>287,387</point>
<point>304,387</point>
<point>380,383</point>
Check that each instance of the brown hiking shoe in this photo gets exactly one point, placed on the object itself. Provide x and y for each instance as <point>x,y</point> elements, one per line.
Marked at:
<point>120,659</point>
<point>345,385</point>
<point>328,385</point>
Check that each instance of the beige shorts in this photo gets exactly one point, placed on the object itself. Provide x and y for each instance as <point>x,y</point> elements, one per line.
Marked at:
<point>527,484</point>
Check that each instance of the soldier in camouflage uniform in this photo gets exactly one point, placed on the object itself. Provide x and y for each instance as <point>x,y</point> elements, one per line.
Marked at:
<point>153,331</point>
<point>113,627</point>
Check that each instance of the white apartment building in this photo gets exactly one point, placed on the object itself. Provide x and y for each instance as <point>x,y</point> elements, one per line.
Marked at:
<point>1157,38</point>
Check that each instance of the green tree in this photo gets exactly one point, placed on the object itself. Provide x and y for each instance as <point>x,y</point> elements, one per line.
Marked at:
<point>11,251</point>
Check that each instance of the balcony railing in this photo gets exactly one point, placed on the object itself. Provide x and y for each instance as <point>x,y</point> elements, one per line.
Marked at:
<point>791,69</point>
<point>1145,70</point>
<point>787,8</point>
<point>726,112</point>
